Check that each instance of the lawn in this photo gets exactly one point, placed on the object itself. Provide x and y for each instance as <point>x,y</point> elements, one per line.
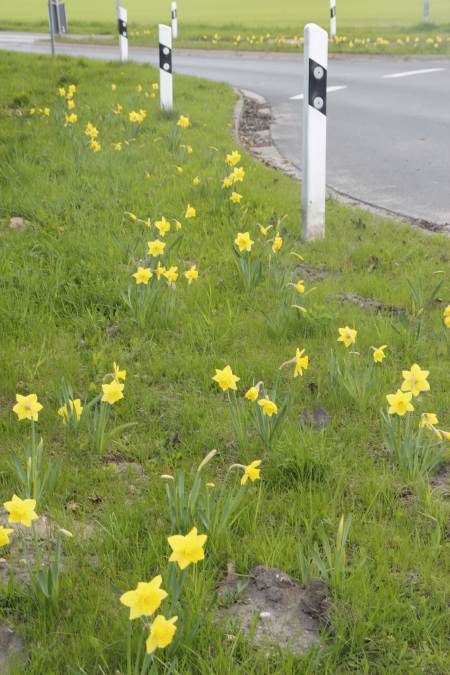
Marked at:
<point>77,212</point>
<point>382,13</point>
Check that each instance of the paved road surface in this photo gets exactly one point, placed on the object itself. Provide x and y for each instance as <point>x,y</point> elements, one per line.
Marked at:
<point>389,117</point>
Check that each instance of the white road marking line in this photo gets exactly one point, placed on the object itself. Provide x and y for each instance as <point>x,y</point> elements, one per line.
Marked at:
<point>408,73</point>
<point>299,97</point>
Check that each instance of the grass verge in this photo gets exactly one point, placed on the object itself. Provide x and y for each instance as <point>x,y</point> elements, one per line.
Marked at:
<point>67,266</point>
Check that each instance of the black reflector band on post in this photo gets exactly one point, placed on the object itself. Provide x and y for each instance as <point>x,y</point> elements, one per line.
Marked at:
<point>122,28</point>
<point>174,14</point>
<point>165,58</point>
<point>317,95</point>
<point>333,12</point>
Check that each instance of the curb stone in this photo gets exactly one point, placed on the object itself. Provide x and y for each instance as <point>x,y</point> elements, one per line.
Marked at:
<point>260,144</point>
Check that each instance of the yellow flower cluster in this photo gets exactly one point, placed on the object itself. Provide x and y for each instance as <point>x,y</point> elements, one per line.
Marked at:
<point>147,597</point>
<point>113,391</point>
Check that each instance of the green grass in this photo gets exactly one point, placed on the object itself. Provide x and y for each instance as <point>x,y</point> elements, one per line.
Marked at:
<point>253,12</point>
<point>63,315</point>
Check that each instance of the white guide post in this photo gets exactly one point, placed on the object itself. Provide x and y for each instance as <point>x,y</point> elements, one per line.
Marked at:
<point>426,9</point>
<point>333,18</point>
<point>314,132</point>
<point>174,21</point>
<point>123,33</point>
<point>165,68</point>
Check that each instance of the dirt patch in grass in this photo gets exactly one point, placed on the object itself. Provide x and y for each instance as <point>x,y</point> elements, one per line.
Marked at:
<point>274,610</point>
<point>367,304</point>
<point>12,651</point>
<point>441,480</point>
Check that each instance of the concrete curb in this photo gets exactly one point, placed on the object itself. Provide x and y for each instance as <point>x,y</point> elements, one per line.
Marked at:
<point>269,154</point>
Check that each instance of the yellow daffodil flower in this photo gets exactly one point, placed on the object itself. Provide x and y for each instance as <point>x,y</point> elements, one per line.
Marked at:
<point>447,316</point>
<point>428,420</point>
<point>118,109</point>
<point>251,471</point>
<point>70,104</point>
<point>252,394</point>
<point>145,599</point>
<point>191,274</point>
<point>119,374</point>
<point>347,336</point>
<point>415,380</point>
<point>301,362</point>
<point>187,550</point>
<point>190,212</point>
<point>178,225</point>
<point>244,242</point>
<point>117,146</point>
<point>71,119</point>
<point>171,274</point>
<point>400,403</point>
<point>277,243</point>
<point>139,88</point>
<point>95,145</point>
<point>21,510</point>
<point>378,353</point>
<point>112,392</point>
<point>196,181</point>
<point>4,535</point>
<point>163,226</point>
<point>226,379</point>
<point>183,122</point>
<point>75,408</point>
<point>235,197</point>
<point>27,407</point>
<point>160,270</point>
<point>233,158</point>
<point>238,174</point>
<point>161,634</point>
<point>269,408</point>
<point>300,286</point>
<point>143,275</point>
<point>265,230</point>
<point>156,247</point>
<point>90,130</point>
<point>227,182</point>
<point>114,87</point>
<point>62,92</point>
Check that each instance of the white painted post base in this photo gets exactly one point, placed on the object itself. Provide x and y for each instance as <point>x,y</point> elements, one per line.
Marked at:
<point>314,132</point>
<point>165,68</point>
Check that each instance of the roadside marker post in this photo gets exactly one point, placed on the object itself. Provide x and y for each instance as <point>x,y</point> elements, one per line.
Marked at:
<point>426,9</point>
<point>333,18</point>
<point>52,27</point>
<point>174,21</point>
<point>314,132</point>
<point>123,32</point>
<point>165,68</point>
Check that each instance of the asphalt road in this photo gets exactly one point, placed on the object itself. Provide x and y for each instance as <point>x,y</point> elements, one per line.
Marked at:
<point>388,117</point>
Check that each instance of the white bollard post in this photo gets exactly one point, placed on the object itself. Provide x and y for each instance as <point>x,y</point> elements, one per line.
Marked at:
<point>426,9</point>
<point>165,68</point>
<point>174,21</point>
<point>314,132</point>
<point>123,33</point>
<point>333,18</point>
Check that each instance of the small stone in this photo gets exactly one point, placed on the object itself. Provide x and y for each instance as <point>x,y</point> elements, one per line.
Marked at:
<point>317,418</point>
<point>17,224</point>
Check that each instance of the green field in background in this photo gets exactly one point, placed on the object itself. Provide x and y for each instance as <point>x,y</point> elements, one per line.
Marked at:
<point>252,12</point>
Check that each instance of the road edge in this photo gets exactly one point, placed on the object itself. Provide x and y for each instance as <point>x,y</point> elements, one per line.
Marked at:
<point>256,135</point>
